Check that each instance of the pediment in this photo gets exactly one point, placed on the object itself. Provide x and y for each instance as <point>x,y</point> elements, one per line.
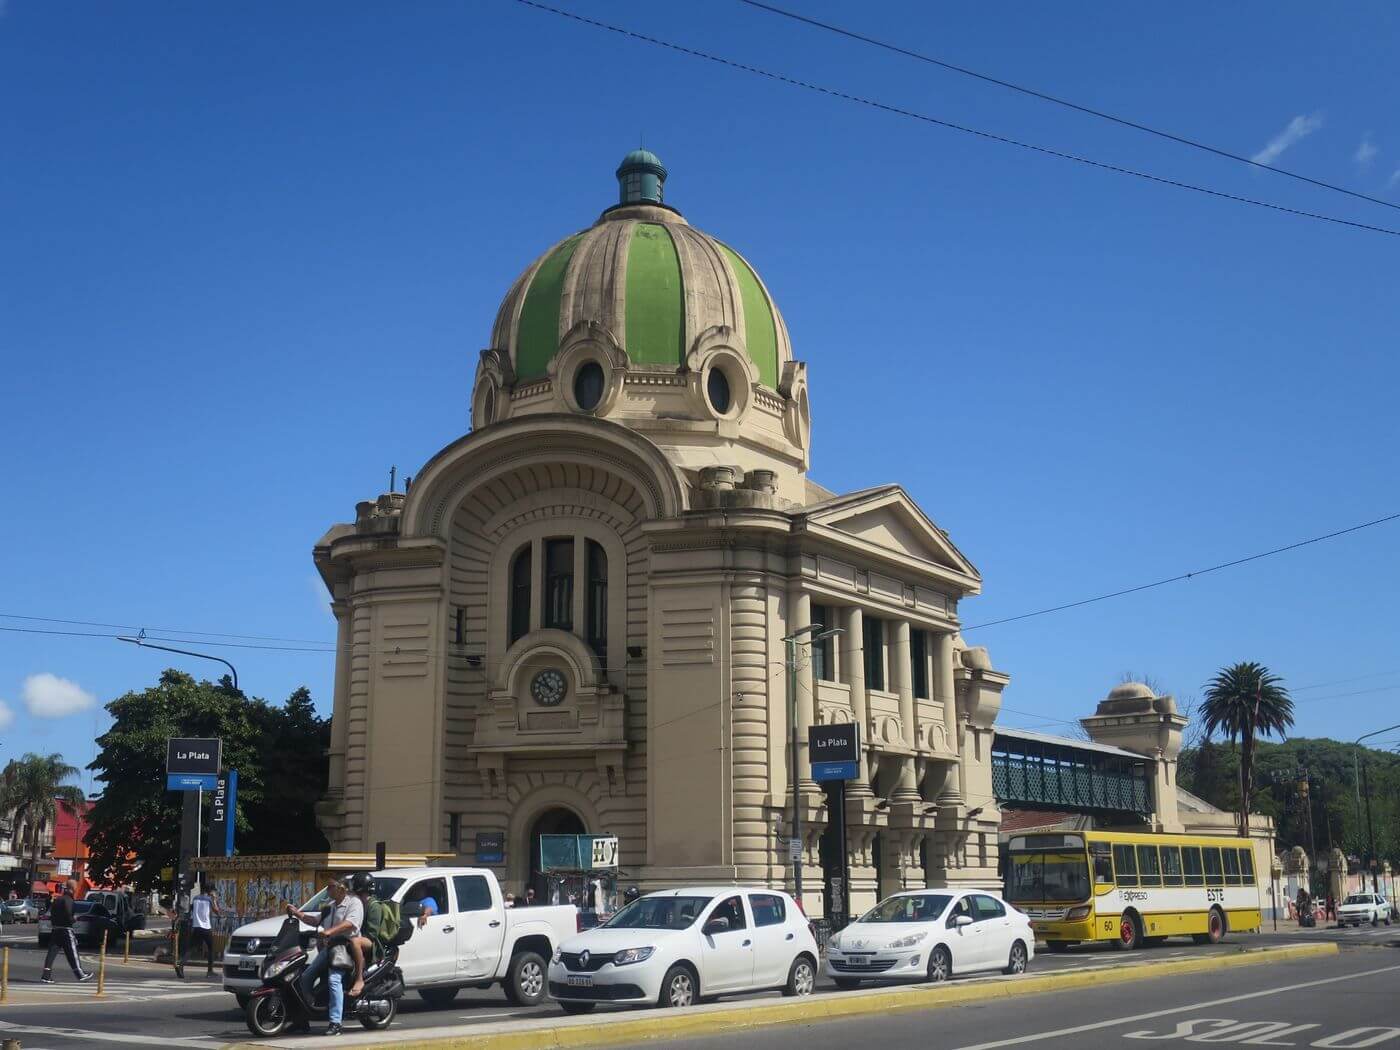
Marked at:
<point>887,519</point>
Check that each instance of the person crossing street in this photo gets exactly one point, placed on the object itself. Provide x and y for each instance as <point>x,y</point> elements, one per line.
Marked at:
<point>200,931</point>
<point>61,939</point>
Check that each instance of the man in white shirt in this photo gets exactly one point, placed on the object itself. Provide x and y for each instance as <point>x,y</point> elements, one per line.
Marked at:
<point>344,919</point>
<point>203,907</point>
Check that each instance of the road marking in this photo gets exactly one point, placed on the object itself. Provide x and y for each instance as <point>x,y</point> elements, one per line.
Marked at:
<point>1133,1019</point>
<point>105,1037</point>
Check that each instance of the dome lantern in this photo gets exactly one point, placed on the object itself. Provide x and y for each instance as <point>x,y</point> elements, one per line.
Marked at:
<point>640,178</point>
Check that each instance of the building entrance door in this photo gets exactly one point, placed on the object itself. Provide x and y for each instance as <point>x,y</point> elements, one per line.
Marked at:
<point>558,821</point>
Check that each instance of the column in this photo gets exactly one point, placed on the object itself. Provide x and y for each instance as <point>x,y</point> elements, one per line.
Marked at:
<point>340,707</point>
<point>902,682</point>
<point>853,672</point>
<point>800,615</point>
<point>943,689</point>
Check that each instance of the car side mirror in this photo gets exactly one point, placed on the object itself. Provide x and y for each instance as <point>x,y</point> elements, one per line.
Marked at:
<point>716,926</point>
<point>962,920</point>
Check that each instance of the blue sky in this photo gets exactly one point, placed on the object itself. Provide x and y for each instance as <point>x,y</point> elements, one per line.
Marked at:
<point>251,252</point>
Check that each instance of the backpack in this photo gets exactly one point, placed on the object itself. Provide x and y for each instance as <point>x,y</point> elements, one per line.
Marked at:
<point>381,921</point>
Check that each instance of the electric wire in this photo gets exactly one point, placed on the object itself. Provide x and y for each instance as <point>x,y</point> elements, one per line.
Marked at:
<point>1056,100</point>
<point>952,126</point>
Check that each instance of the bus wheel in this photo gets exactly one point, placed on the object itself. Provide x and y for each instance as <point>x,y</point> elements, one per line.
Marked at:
<point>1215,929</point>
<point>1129,932</point>
<point>1058,946</point>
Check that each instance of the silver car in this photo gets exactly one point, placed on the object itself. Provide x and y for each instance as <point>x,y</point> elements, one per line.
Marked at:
<point>22,910</point>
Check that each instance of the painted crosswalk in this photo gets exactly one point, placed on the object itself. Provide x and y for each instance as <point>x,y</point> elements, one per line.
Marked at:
<point>124,989</point>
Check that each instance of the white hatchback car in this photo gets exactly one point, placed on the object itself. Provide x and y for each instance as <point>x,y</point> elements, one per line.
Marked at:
<point>929,935</point>
<point>1363,907</point>
<point>672,947</point>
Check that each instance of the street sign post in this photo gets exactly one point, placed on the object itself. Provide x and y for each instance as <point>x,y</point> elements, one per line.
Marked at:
<point>195,755</point>
<point>490,847</point>
<point>834,751</point>
<point>224,807</point>
<point>192,764</point>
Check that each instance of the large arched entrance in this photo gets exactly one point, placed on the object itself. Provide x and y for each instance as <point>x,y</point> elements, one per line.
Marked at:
<point>556,821</point>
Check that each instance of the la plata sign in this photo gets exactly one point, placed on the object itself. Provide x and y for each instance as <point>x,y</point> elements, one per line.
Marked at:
<point>834,751</point>
<point>197,756</point>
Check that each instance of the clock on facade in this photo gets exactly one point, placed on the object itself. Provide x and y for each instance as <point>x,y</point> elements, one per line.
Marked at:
<point>548,688</point>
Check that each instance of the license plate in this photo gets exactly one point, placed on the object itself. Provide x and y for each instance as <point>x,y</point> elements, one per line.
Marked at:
<point>577,981</point>
<point>247,964</point>
<point>857,961</point>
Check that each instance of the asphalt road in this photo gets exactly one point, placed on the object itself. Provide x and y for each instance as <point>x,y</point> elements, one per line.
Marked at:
<point>146,1006</point>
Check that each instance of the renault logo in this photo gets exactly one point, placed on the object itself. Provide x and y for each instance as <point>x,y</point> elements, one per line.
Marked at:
<point>583,959</point>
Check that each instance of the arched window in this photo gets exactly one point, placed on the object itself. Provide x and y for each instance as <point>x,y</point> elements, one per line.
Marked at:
<point>559,584</point>
<point>520,571</point>
<point>597,599</point>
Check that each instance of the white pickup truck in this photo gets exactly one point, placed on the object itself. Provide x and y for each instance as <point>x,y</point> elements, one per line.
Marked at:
<point>473,940</point>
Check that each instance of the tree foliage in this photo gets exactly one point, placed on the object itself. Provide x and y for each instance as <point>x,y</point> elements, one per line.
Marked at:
<point>31,789</point>
<point>1246,701</point>
<point>279,752</point>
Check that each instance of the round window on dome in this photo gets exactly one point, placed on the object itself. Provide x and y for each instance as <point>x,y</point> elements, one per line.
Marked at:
<point>488,407</point>
<point>588,385</point>
<point>717,387</point>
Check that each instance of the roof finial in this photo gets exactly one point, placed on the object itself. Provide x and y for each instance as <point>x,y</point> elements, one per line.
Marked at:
<point>640,178</point>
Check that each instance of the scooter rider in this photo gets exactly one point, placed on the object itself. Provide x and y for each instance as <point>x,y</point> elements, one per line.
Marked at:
<point>343,920</point>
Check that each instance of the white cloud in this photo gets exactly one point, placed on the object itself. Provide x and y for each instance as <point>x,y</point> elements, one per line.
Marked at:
<point>49,696</point>
<point>1298,128</point>
<point>1366,152</point>
<point>7,715</point>
<point>1394,180</point>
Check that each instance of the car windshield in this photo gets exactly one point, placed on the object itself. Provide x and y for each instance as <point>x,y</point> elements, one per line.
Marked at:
<point>1358,898</point>
<point>1048,877</point>
<point>659,913</point>
<point>913,907</point>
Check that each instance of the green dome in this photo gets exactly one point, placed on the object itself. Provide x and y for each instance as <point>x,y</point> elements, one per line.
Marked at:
<point>652,281</point>
<point>640,157</point>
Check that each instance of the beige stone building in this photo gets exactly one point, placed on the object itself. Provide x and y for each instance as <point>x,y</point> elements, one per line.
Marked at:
<point>573,620</point>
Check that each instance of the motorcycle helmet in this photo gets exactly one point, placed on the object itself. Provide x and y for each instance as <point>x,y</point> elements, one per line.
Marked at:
<point>361,882</point>
<point>631,894</point>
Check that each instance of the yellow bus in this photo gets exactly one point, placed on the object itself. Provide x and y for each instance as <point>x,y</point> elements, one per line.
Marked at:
<point>1132,889</point>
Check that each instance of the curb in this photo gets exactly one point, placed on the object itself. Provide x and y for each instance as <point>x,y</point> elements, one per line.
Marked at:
<point>715,1021</point>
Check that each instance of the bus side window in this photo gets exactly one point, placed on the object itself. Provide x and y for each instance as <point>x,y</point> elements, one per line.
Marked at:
<point>1171,865</point>
<point>1231,857</point>
<point>1126,865</point>
<point>1211,856</point>
<point>1149,871</point>
<point>1191,865</point>
<point>1103,864</point>
<point>1247,867</point>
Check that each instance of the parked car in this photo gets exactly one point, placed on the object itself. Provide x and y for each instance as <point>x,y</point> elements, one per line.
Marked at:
<point>25,909</point>
<point>98,912</point>
<point>1364,907</point>
<point>931,935</point>
<point>473,940</point>
<point>672,947</point>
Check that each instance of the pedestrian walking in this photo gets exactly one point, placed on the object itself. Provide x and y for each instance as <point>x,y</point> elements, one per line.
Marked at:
<point>61,937</point>
<point>203,907</point>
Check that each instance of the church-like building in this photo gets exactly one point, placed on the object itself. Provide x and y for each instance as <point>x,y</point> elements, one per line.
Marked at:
<point>573,620</point>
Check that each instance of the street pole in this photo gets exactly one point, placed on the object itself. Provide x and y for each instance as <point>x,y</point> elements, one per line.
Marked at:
<point>1370,830</point>
<point>1357,776</point>
<point>141,641</point>
<point>791,642</point>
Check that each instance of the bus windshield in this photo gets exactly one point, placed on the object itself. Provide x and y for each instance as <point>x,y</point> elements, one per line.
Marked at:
<point>1035,877</point>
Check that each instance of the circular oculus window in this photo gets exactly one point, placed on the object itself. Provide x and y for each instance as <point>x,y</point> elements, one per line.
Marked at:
<point>717,389</point>
<point>588,385</point>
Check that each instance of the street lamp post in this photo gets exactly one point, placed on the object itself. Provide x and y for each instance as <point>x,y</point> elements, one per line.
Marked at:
<point>1358,773</point>
<point>141,641</point>
<point>813,632</point>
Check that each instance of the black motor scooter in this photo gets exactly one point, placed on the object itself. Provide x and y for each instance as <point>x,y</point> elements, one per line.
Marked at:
<point>279,1003</point>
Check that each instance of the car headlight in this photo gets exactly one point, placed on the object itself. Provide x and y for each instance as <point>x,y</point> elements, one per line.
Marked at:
<point>910,941</point>
<point>632,955</point>
<point>558,955</point>
<point>834,941</point>
<point>1075,914</point>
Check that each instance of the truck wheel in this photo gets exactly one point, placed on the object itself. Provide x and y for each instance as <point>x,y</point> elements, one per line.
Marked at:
<point>524,984</point>
<point>438,998</point>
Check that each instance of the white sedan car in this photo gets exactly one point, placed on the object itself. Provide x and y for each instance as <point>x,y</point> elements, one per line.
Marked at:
<point>672,947</point>
<point>930,935</point>
<point>1363,907</point>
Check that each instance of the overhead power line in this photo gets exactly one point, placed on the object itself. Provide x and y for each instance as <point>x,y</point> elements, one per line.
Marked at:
<point>951,126</point>
<point>1185,575</point>
<point>1056,100</point>
<point>165,630</point>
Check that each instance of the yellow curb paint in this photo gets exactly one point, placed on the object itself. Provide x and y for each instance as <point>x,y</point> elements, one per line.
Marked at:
<point>824,1007</point>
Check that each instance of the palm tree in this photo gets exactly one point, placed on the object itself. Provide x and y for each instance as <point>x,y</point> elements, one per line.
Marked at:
<point>31,788</point>
<point>1245,701</point>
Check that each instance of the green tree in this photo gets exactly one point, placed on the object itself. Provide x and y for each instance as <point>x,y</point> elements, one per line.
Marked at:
<point>32,788</point>
<point>1245,701</point>
<point>295,767</point>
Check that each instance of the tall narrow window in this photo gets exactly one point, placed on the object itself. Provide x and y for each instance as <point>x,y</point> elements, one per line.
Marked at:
<point>918,659</point>
<point>559,584</point>
<point>823,665</point>
<point>520,571</point>
<point>598,600</point>
<point>874,653</point>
